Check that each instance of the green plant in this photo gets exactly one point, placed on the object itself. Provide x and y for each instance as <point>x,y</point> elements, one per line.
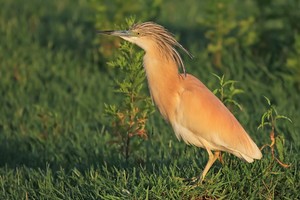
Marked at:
<point>129,118</point>
<point>224,30</point>
<point>277,22</point>
<point>227,91</point>
<point>293,61</point>
<point>269,118</point>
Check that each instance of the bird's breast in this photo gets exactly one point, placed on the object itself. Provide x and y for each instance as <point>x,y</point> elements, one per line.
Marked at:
<point>165,98</point>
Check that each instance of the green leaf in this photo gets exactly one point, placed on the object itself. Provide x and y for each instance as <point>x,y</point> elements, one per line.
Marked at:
<point>283,117</point>
<point>268,100</point>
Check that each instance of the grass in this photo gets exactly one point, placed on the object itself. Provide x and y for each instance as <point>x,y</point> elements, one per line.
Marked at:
<point>55,142</point>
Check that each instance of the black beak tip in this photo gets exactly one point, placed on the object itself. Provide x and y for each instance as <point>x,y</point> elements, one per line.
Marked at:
<point>104,32</point>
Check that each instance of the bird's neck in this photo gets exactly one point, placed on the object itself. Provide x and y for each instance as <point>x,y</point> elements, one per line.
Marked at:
<point>163,80</point>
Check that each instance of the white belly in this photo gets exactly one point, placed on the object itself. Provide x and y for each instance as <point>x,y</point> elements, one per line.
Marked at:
<point>187,136</point>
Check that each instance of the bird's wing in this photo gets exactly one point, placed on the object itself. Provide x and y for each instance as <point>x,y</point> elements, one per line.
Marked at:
<point>201,113</point>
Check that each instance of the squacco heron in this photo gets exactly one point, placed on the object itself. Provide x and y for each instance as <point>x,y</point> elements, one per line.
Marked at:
<point>197,116</point>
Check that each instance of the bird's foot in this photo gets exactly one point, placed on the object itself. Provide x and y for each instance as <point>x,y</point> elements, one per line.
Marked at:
<point>195,181</point>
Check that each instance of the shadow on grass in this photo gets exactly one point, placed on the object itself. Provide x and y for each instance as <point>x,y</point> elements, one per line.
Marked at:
<point>81,151</point>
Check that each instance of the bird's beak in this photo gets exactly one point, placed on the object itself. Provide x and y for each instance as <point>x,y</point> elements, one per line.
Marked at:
<point>123,33</point>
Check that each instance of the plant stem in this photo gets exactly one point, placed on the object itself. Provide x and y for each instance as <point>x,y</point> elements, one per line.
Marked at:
<point>127,147</point>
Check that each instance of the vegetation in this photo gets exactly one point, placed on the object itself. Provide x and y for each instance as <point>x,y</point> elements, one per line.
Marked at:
<point>130,117</point>
<point>58,140</point>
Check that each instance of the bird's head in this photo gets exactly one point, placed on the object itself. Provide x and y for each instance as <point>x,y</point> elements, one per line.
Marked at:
<point>144,35</point>
<point>152,37</point>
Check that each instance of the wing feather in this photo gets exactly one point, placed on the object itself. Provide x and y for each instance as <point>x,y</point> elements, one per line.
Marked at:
<point>201,113</point>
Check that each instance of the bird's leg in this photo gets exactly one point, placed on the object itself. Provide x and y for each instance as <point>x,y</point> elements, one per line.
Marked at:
<point>211,159</point>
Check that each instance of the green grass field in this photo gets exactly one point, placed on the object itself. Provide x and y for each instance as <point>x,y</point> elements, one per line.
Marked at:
<point>56,143</point>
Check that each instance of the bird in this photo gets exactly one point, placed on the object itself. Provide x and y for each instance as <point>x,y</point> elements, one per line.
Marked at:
<point>196,115</point>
